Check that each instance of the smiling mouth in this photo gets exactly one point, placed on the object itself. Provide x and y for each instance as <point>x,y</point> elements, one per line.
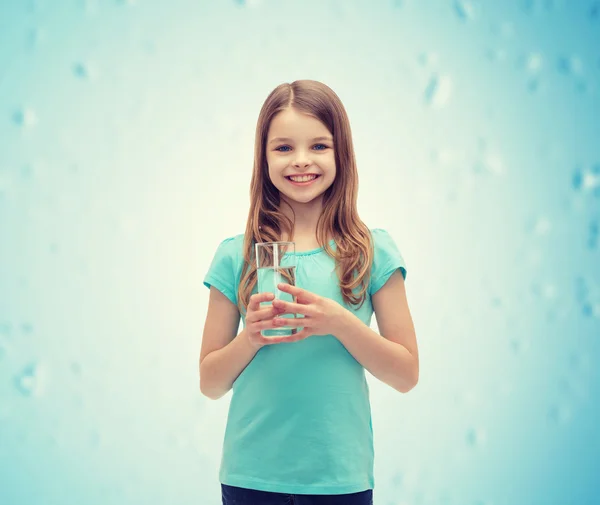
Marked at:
<point>304,180</point>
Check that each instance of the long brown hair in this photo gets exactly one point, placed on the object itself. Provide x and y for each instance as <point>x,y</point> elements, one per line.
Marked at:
<point>266,222</point>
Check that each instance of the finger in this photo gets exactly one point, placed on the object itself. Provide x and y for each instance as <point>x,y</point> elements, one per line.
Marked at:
<point>290,321</point>
<point>296,291</point>
<point>301,335</point>
<point>266,324</point>
<point>258,298</point>
<point>264,313</point>
<point>293,308</point>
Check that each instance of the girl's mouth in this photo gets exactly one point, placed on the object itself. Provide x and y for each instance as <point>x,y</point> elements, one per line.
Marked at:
<point>303,181</point>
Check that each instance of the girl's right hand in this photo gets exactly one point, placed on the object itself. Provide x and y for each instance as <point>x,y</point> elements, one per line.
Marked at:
<point>261,318</point>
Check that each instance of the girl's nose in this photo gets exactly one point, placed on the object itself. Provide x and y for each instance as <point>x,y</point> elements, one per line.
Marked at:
<point>301,160</point>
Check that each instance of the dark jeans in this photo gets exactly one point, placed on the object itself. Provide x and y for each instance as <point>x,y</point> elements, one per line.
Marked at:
<point>240,496</point>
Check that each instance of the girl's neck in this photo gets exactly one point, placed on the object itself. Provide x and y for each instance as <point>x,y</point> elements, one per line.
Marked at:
<point>305,219</point>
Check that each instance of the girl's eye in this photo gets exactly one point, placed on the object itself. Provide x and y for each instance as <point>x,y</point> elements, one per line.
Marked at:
<point>285,149</point>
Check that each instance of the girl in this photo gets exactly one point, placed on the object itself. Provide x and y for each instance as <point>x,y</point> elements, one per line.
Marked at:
<point>299,425</point>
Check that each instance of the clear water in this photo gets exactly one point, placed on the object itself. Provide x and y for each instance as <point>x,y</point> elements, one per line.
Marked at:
<point>268,279</point>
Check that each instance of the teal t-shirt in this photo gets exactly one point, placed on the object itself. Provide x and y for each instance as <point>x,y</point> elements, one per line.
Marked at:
<point>299,420</point>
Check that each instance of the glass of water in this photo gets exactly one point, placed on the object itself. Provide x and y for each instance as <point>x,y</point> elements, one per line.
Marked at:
<point>276,264</point>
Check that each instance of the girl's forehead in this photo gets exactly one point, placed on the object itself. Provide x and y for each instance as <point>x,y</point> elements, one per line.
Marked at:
<point>290,122</point>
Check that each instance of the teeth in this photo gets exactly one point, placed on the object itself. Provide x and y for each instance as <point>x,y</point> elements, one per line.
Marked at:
<point>303,178</point>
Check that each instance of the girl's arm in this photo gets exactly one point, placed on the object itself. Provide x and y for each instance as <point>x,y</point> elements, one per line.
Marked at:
<point>223,355</point>
<point>393,359</point>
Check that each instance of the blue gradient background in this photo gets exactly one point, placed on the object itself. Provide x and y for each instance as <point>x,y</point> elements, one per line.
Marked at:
<point>126,143</point>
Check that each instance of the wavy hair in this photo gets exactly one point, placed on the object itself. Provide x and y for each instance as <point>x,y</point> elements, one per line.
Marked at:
<point>353,254</point>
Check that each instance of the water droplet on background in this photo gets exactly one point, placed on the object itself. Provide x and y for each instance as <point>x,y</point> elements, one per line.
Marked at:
<point>505,29</point>
<point>534,63</point>
<point>587,179</point>
<point>559,414</point>
<point>25,117</point>
<point>593,231</point>
<point>476,437</point>
<point>533,85</point>
<point>85,70</point>
<point>248,3</point>
<point>31,380</point>
<point>541,227</point>
<point>518,345</point>
<point>582,86</point>
<point>27,172</point>
<point>428,59</point>
<point>488,161</point>
<point>178,440</point>
<point>496,54</point>
<point>95,439</point>
<point>438,91</point>
<point>535,6</point>
<point>578,361</point>
<point>36,37</point>
<point>544,290</point>
<point>466,399</point>
<point>397,479</point>
<point>570,65</point>
<point>464,9</point>
<point>573,386</point>
<point>27,328</point>
<point>577,179</point>
<point>76,369</point>
<point>587,296</point>
<point>581,289</point>
<point>90,6</point>
<point>5,329</point>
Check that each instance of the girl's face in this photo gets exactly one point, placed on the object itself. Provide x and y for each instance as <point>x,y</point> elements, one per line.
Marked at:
<point>300,156</point>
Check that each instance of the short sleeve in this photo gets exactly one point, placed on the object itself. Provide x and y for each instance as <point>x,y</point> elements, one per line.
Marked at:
<point>386,259</point>
<point>222,271</point>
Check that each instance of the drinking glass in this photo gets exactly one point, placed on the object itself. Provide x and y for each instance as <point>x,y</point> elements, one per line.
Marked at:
<point>276,264</point>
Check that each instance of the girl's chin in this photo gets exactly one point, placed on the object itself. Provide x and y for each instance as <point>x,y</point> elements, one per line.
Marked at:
<point>299,199</point>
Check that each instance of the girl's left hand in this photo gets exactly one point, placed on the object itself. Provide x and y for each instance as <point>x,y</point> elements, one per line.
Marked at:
<point>322,316</point>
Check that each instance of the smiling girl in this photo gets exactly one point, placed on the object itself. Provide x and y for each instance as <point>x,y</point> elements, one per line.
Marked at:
<point>299,426</point>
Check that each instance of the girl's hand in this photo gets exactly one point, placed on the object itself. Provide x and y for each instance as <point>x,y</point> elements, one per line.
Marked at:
<point>261,318</point>
<point>322,316</point>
